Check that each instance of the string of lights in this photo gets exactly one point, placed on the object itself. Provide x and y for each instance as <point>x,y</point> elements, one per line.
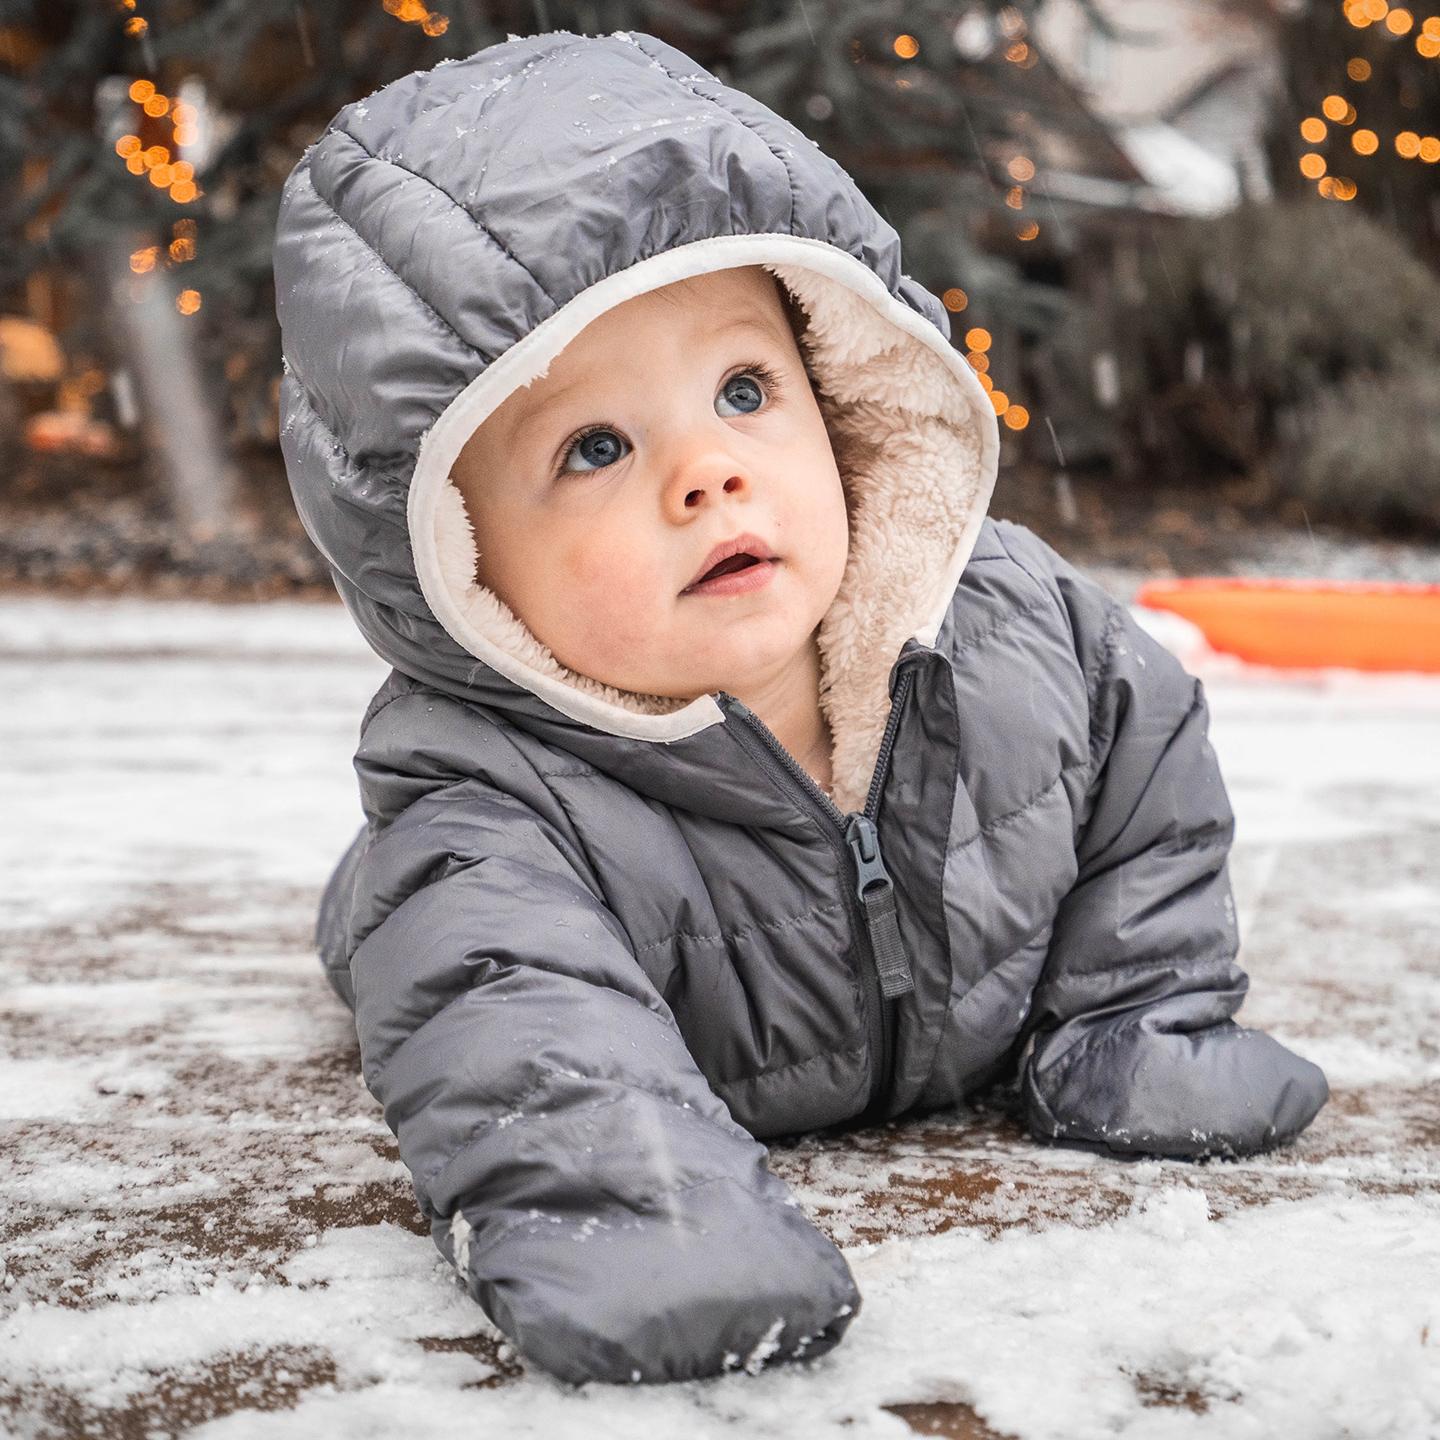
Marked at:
<point>1021,170</point>
<point>1338,115</point>
<point>414,12</point>
<point>161,163</point>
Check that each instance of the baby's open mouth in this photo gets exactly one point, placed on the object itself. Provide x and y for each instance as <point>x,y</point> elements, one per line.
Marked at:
<point>726,567</point>
<point>732,557</point>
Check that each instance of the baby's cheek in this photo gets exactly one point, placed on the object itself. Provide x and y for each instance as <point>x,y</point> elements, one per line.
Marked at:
<point>612,597</point>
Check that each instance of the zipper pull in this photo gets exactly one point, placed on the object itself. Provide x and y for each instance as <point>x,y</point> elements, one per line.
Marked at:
<point>877,895</point>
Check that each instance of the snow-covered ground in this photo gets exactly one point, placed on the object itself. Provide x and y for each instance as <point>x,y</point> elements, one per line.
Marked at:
<point>205,1227</point>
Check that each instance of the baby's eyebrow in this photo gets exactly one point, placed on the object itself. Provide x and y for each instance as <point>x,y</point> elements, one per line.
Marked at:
<point>528,409</point>
<point>746,322</point>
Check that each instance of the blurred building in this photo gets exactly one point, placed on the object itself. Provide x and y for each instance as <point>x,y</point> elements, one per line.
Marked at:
<point>1186,85</point>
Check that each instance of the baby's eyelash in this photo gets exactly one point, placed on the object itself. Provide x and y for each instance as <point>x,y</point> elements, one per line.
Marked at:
<point>758,368</point>
<point>769,378</point>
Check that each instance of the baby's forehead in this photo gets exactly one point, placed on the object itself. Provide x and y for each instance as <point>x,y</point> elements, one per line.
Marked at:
<point>701,311</point>
<point>716,304</point>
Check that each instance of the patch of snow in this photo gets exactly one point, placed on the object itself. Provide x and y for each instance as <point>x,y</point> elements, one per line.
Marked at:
<point>191,1169</point>
<point>764,1347</point>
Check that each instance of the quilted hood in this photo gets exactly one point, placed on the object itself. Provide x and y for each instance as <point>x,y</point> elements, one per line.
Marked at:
<point>444,240</point>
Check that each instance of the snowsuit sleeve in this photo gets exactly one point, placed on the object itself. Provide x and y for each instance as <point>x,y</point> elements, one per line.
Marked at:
<point>593,1193</point>
<point>1134,1046</point>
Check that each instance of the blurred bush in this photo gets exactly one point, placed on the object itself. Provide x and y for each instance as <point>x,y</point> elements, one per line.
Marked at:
<point>1293,297</point>
<point>1368,449</point>
<point>1292,342</point>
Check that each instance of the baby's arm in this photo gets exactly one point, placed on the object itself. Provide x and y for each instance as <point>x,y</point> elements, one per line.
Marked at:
<point>1134,1047</point>
<point>594,1194</point>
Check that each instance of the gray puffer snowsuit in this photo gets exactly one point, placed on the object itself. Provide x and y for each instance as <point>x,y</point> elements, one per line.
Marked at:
<point>600,945</point>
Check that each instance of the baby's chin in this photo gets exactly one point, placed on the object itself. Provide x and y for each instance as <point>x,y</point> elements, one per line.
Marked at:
<point>691,683</point>
<point>739,656</point>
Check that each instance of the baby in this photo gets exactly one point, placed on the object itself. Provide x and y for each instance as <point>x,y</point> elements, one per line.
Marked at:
<point>602,536</point>
<point>737,776</point>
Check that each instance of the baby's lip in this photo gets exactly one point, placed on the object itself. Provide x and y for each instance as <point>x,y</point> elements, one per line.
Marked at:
<point>737,545</point>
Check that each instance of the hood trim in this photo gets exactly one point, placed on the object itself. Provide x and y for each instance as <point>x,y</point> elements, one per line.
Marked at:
<point>530,357</point>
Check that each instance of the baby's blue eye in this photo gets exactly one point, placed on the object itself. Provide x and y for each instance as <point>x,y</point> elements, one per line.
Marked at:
<point>743,391</point>
<point>601,447</point>
<point>598,448</point>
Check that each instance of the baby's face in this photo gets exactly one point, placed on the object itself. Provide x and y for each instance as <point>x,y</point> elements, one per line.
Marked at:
<point>677,421</point>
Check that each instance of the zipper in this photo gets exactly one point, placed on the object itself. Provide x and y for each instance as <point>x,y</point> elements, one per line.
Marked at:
<point>871,901</point>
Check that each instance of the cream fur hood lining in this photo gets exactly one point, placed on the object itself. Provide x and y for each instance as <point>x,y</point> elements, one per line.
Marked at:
<point>884,373</point>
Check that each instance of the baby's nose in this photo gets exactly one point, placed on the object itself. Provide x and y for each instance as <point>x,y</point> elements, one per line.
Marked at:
<point>728,486</point>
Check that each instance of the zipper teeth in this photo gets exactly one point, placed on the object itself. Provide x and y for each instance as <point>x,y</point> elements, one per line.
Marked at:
<point>840,842</point>
<point>758,729</point>
<point>882,761</point>
<point>887,744</point>
<point>870,983</point>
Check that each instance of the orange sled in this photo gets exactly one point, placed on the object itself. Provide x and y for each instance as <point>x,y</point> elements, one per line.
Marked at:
<point>1358,624</point>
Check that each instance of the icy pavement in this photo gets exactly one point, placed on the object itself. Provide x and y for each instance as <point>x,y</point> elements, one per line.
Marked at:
<point>205,1227</point>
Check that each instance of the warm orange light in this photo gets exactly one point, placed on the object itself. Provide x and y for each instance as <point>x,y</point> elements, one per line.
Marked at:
<point>135,163</point>
<point>183,192</point>
<point>907,47</point>
<point>977,339</point>
<point>1428,45</point>
<point>412,11</point>
<point>1314,129</point>
<point>127,145</point>
<point>985,380</point>
<point>1327,187</point>
<point>1017,417</point>
<point>186,134</point>
<point>1356,15</point>
<point>1348,118</point>
<point>1430,150</point>
<point>1022,169</point>
<point>1407,144</point>
<point>161,176</point>
<point>157,105</point>
<point>137,25</point>
<point>143,261</point>
<point>1018,53</point>
<point>956,299</point>
<point>141,91</point>
<point>181,113</point>
<point>1028,231</point>
<point>1431,26</point>
<point>1334,107</point>
<point>1015,197</point>
<point>978,361</point>
<point>1344,189</point>
<point>1312,166</point>
<point>187,302</point>
<point>1366,142</point>
<point>1376,9</point>
<point>434,24</point>
<point>182,170</point>
<point>182,249</point>
<point>1358,70</point>
<point>1000,400</point>
<point>156,155</point>
<point>1398,22</point>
